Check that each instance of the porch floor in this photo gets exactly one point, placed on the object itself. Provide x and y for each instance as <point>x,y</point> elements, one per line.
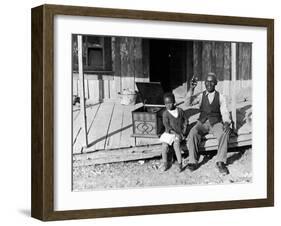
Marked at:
<point>109,126</point>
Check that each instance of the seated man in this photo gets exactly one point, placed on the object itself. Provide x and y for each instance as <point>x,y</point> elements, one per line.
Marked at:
<point>214,118</point>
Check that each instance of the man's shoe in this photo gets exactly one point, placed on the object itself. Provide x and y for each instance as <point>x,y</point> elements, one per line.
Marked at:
<point>164,167</point>
<point>192,166</point>
<point>180,169</point>
<point>222,168</point>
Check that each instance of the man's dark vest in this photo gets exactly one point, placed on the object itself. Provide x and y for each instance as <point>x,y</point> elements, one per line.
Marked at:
<point>210,111</point>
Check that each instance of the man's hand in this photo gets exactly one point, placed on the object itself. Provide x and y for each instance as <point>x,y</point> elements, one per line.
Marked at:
<point>193,82</point>
<point>226,126</point>
<point>182,137</point>
<point>178,136</point>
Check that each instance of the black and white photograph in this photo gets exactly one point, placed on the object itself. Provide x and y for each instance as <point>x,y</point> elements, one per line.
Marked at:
<point>150,112</point>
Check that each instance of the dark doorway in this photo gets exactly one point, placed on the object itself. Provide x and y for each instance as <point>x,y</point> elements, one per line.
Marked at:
<point>169,63</point>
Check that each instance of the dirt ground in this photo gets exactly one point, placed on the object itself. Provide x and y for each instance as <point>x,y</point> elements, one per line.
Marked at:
<point>147,173</point>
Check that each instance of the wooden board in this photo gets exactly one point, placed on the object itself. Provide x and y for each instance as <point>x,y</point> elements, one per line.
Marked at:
<point>94,95</point>
<point>82,116</point>
<point>91,115</point>
<point>75,90</point>
<point>126,139</point>
<point>117,65</point>
<point>114,133</point>
<point>206,59</point>
<point>75,114</point>
<point>145,59</point>
<point>147,141</point>
<point>112,90</point>
<point>99,128</point>
<point>127,63</point>
<point>197,59</point>
<point>138,58</point>
<point>121,155</point>
<point>144,152</point>
<point>76,132</point>
<point>75,125</point>
<point>227,61</point>
<point>219,60</point>
<point>106,89</point>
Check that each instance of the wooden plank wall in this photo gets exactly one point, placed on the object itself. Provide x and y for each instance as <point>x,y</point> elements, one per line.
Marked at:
<point>210,56</point>
<point>134,61</point>
<point>130,64</point>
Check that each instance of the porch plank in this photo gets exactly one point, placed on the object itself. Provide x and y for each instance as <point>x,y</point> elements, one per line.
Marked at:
<point>77,137</point>
<point>98,131</point>
<point>126,140</point>
<point>152,151</point>
<point>91,112</point>
<point>114,133</point>
<point>147,141</point>
<point>75,125</point>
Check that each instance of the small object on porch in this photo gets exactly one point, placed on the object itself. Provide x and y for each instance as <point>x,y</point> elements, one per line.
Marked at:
<point>128,97</point>
<point>75,99</point>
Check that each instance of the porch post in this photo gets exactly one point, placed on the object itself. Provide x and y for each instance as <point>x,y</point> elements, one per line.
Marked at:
<point>83,121</point>
<point>233,81</point>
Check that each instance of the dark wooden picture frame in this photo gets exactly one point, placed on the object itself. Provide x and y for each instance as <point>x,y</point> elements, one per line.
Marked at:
<point>42,203</point>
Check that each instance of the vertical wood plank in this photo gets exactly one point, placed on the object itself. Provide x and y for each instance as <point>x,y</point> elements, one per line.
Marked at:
<point>246,60</point>
<point>86,85</point>
<point>100,126</point>
<point>127,63</point>
<point>74,87</point>
<point>112,90</point>
<point>239,61</point>
<point>233,79</point>
<point>114,133</point>
<point>101,89</point>
<point>106,89</point>
<point>227,60</point>
<point>126,139</point>
<point>189,62</point>
<point>206,59</point>
<point>107,54</point>
<point>93,91</point>
<point>197,64</point>
<point>96,90</point>
<point>117,65</point>
<point>227,67</point>
<point>145,59</point>
<point>219,61</point>
<point>78,87</point>
<point>138,58</point>
<point>82,93</point>
<point>213,56</point>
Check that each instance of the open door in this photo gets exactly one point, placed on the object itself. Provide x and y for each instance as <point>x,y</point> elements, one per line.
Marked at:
<point>170,62</point>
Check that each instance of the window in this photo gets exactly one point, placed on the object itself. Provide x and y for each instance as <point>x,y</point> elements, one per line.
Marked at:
<point>97,54</point>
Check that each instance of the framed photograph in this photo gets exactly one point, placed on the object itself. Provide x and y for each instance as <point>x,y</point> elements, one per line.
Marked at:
<point>141,112</point>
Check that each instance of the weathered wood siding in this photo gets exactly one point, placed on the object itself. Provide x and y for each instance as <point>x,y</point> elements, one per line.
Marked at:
<point>133,61</point>
<point>210,56</point>
<point>130,64</point>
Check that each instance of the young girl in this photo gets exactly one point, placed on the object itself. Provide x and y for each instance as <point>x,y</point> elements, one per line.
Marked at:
<point>175,123</point>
